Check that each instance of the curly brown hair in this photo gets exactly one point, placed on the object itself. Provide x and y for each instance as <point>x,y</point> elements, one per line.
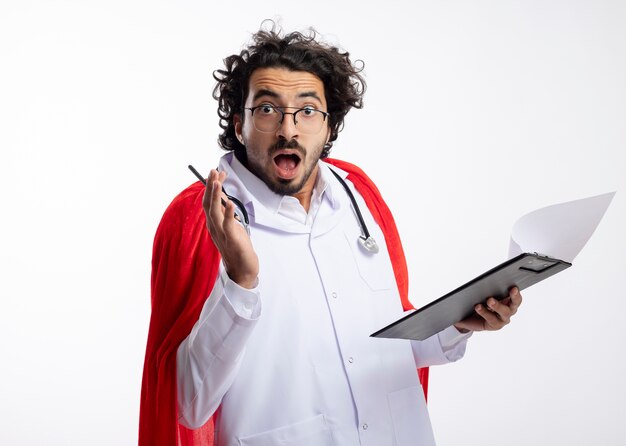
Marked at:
<point>344,86</point>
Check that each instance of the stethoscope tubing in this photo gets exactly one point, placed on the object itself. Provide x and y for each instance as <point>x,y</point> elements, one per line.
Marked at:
<point>366,240</point>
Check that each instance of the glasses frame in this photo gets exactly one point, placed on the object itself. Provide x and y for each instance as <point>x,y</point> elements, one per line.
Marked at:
<point>282,112</point>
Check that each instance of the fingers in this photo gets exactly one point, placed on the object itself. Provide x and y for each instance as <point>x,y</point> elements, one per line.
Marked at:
<point>222,219</point>
<point>228,234</point>
<point>516,299</point>
<point>492,319</point>
<point>213,201</point>
<point>208,192</point>
<point>497,314</point>
<point>216,180</point>
<point>229,214</point>
<point>216,211</point>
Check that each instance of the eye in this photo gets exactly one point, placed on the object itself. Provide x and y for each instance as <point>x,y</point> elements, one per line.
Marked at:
<point>307,111</point>
<point>266,109</point>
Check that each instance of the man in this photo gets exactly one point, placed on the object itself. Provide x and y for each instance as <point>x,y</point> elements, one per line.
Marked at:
<point>279,352</point>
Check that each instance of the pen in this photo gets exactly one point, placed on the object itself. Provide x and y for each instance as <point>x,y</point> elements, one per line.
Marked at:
<point>203,180</point>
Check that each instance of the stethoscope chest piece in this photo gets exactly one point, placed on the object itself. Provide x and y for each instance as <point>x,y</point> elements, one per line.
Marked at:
<point>369,244</point>
<point>366,240</point>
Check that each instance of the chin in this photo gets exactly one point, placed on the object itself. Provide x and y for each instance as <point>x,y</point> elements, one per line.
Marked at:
<point>286,187</point>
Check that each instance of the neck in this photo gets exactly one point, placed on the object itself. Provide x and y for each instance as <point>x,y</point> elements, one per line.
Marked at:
<point>306,192</point>
<point>241,156</point>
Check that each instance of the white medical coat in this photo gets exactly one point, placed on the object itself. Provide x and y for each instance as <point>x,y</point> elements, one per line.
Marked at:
<point>291,361</point>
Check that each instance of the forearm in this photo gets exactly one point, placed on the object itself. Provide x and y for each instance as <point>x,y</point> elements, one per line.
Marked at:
<point>208,359</point>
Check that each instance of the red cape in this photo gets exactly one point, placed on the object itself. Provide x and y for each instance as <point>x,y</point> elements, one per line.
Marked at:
<point>185,264</point>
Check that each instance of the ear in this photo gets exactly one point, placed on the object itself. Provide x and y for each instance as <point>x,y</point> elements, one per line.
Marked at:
<point>238,126</point>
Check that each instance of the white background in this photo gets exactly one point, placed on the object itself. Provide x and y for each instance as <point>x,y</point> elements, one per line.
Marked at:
<point>476,113</point>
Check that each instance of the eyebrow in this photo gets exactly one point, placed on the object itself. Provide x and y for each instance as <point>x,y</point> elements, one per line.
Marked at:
<point>264,92</point>
<point>272,94</point>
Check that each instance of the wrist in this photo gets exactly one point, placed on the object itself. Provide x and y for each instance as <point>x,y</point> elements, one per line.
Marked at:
<point>244,281</point>
<point>461,329</point>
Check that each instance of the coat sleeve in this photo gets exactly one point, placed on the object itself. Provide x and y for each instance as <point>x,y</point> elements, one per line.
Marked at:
<point>209,358</point>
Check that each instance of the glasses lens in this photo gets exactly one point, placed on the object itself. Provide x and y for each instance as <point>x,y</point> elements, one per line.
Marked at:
<point>309,121</point>
<point>266,118</point>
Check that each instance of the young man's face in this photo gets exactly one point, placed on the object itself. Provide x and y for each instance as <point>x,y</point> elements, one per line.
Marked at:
<point>285,158</point>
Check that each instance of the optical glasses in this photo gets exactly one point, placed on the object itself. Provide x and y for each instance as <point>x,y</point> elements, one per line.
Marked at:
<point>268,118</point>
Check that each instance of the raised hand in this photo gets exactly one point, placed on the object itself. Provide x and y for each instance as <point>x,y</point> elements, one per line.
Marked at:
<point>229,236</point>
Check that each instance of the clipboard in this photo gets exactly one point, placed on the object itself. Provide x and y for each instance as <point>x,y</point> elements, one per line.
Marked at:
<point>521,271</point>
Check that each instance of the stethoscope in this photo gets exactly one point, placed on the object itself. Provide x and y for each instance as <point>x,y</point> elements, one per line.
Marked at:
<point>365,239</point>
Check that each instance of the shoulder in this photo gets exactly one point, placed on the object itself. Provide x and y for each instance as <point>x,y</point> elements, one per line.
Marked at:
<point>363,183</point>
<point>188,197</point>
<point>185,209</point>
<point>349,168</point>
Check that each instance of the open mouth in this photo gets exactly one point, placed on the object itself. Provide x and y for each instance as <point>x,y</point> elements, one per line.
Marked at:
<point>286,164</point>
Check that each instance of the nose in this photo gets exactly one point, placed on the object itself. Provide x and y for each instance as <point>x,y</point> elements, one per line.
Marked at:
<point>287,128</point>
